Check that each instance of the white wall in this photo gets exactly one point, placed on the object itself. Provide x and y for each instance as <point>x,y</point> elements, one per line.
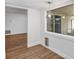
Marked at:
<point>62,44</point>
<point>16,20</point>
<point>33,28</point>
<point>34,36</point>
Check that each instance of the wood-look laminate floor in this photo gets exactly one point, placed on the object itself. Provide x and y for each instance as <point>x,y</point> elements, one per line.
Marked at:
<point>35,52</point>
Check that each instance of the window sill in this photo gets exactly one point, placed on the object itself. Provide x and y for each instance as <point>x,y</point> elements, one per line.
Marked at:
<point>61,35</point>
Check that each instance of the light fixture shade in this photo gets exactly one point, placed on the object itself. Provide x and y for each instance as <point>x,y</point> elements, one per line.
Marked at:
<point>63,17</point>
<point>49,11</point>
<point>49,15</point>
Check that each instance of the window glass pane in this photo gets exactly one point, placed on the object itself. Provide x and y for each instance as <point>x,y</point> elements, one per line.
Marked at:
<point>61,21</point>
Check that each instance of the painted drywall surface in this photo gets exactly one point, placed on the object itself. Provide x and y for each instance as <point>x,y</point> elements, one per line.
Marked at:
<point>33,23</point>
<point>33,27</point>
<point>34,34</point>
<point>61,44</point>
<point>58,42</point>
<point>16,22</point>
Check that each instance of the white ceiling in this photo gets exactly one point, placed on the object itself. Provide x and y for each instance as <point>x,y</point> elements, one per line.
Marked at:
<point>40,4</point>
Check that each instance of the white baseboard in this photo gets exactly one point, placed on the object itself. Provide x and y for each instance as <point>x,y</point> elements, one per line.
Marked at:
<point>56,51</point>
<point>59,52</point>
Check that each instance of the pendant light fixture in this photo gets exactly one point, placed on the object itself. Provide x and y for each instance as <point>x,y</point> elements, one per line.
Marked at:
<point>49,11</point>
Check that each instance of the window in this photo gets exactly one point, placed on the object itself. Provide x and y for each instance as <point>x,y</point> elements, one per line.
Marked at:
<point>61,21</point>
<point>54,24</point>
